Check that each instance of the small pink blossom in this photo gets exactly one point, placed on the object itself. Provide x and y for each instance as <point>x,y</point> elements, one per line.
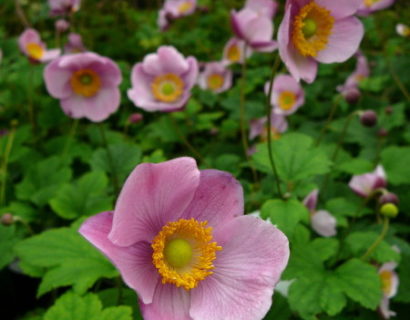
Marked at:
<point>63,7</point>
<point>314,31</point>
<point>215,77</point>
<point>370,6</point>
<point>86,85</point>
<point>163,81</point>
<point>179,239</point>
<point>258,127</point>
<point>175,9</point>
<point>390,284</point>
<point>62,25</point>
<point>31,45</point>
<point>234,51</point>
<point>74,44</point>
<point>365,184</point>
<point>362,71</point>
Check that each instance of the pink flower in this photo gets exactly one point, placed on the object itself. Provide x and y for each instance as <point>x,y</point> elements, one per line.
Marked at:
<point>287,94</point>
<point>258,127</point>
<point>175,9</point>
<point>74,44</point>
<point>370,6</point>
<point>254,28</point>
<point>163,81</point>
<point>62,7</point>
<point>234,51</point>
<point>361,72</point>
<point>62,25</point>
<point>365,184</point>
<point>180,240</point>
<point>86,84</point>
<point>321,220</point>
<point>315,31</point>
<point>390,284</point>
<point>215,77</point>
<point>31,45</point>
<point>263,7</point>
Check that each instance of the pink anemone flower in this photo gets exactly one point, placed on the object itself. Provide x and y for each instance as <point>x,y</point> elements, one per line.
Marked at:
<point>370,6</point>
<point>365,184</point>
<point>263,7</point>
<point>258,127</point>
<point>234,51</point>
<point>86,84</point>
<point>321,220</point>
<point>74,44</point>
<point>315,31</point>
<point>31,45</point>
<point>175,9</point>
<point>287,94</point>
<point>215,77</point>
<point>163,81</point>
<point>361,72</point>
<point>62,7</point>
<point>254,28</point>
<point>179,238</point>
<point>390,284</point>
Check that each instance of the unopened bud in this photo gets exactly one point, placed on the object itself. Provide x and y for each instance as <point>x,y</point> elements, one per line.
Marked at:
<point>389,197</point>
<point>62,25</point>
<point>135,117</point>
<point>382,133</point>
<point>389,210</point>
<point>351,95</point>
<point>7,219</point>
<point>368,118</point>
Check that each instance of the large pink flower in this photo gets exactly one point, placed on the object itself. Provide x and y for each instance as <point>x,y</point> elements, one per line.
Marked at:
<point>61,7</point>
<point>31,45</point>
<point>370,6</point>
<point>315,31</point>
<point>215,77</point>
<point>86,84</point>
<point>365,184</point>
<point>163,81</point>
<point>287,94</point>
<point>180,240</point>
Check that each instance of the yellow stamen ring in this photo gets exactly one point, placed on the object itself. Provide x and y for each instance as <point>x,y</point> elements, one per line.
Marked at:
<point>185,7</point>
<point>234,54</point>
<point>183,252</point>
<point>34,50</point>
<point>369,3</point>
<point>312,27</point>
<point>85,82</point>
<point>386,277</point>
<point>215,81</point>
<point>286,100</point>
<point>168,87</point>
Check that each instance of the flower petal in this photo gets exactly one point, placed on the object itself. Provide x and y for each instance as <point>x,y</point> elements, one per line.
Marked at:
<point>50,55</point>
<point>253,257</point>
<point>340,9</point>
<point>324,223</point>
<point>57,80</point>
<point>104,103</point>
<point>134,263</point>
<point>153,195</point>
<point>310,201</point>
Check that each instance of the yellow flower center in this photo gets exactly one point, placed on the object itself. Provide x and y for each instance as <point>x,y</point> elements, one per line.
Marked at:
<point>275,134</point>
<point>234,54</point>
<point>311,29</point>
<point>386,277</point>
<point>286,100</point>
<point>215,81</point>
<point>183,252</point>
<point>185,7</point>
<point>34,50</point>
<point>85,82</point>
<point>167,88</point>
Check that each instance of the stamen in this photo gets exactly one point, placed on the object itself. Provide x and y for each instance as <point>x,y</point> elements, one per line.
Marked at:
<point>168,87</point>
<point>215,81</point>
<point>185,7</point>
<point>85,82</point>
<point>234,54</point>
<point>34,50</point>
<point>286,100</point>
<point>386,277</point>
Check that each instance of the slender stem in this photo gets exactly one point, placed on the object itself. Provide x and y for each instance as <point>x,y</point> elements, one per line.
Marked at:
<point>329,120</point>
<point>70,138</point>
<point>114,176</point>
<point>30,106</point>
<point>379,239</point>
<point>4,165</point>
<point>269,124</point>
<point>398,82</point>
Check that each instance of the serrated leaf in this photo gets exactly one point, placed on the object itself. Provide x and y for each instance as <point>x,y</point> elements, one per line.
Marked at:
<point>68,258</point>
<point>8,239</point>
<point>116,313</point>
<point>325,248</point>
<point>395,161</point>
<point>85,197</point>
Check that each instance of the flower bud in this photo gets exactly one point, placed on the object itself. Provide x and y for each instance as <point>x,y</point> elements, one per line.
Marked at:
<point>62,25</point>
<point>135,117</point>
<point>368,118</point>
<point>7,219</point>
<point>389,210</point>
<point>351,95</point>
<point>389,197</point>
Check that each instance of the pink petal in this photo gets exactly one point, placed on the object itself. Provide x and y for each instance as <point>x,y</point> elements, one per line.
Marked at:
<point>246,270</point>
<point>29,36</point>
<point>259,29</point>
<point>134,263</point>
<point>191,75</point>
<point>385,308</point>
<point>324,223</point>
<point>340,9</point>
<point>343,42</point>
<point>169,303</point>
<point>218,198</point>
<point>166,60</point>
<point>310,201</point>
<point>265,7</point>
<point>50,55</point>
<point>102,105</point>
<point>57,80</point>
<point>153,195</point>
<point>74,106</point>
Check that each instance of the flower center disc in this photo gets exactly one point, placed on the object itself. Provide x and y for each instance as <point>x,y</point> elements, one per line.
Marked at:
<point>85,82</point>
<point>312,27</point>
<point>287,100</point>
<point>386,277</point>
<point>185,7</point>
<point>34,50</point>
<point>215,81</point>
<point>275,134</point>
<point>234,54</point>
<point>167,88</point>
<point>183,252</point>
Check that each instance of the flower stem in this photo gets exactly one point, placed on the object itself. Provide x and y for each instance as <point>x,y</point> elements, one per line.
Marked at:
<point>379,239</point>
<point>31,114</point>
<point>4,165</point>
<point>329,120</point>
<point>398,82</point>
<point>70,138</point>
<point>269,125</point>
<point>114,176</point>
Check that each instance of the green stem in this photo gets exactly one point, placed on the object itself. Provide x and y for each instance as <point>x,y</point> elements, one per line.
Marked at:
<point>378,240</point>
<point>70,138</point>
<point>398,82</point>
<point>30,105</point>
<point>269,125</point>
<point>4,165</point>
<point>114,176</point>
<point>329,120</point>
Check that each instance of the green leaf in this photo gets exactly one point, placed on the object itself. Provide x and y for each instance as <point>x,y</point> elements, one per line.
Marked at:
<point>360,282</point>
<point>325,248</point>
<point>295,156</point>
<point>395,161</point>
<point>85,197</point>
<point>8,239</point>
<point>356,166</point>
<point>71,306</point>
<point>285,214</point>
<point>68,258</point>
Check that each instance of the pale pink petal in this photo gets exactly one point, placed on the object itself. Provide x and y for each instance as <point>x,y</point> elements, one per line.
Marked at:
<point>343,42</point>
<point>340,9</point>
<point>246,270</point>
<point>57,80</point>
<point>256,127</point>
<point>50,55</point>
<point>169,303</point>
<point>324,223</point>
<point>74,106</point>
<point>153,195</point>
<point>310,201</point>
<point>172,61</point>
<point>385,308</point>
<point>190,76</point>
<point>29,36</point>
<point>134,262</point>
<point>102,105</point>
<point>263,7</point>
